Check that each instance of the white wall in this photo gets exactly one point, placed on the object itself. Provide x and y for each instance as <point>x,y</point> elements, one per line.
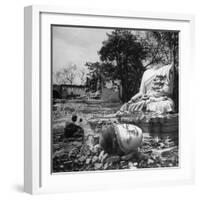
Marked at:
<point>11,103</point>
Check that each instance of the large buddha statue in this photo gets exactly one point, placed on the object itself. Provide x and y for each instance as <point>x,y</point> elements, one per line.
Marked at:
<point>155,92</point>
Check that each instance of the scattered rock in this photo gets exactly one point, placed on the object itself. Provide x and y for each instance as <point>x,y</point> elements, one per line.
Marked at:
<point>96,149</point>
<point>73,152</point>
<point>104,157</point>
<point>167,152</point>
<point>69,148</point>
<point>135,164</point>
<point>156,154</point>
<point>170,144</point>
<point>97,166</point>
<point>56,146</point>
<point>85,150</point>
<point>162,145</point>
<point>101,155</point>
<point>99,122</point>
<point>142,156</point>
<point>105,166</point>
<point>77,144</point>
<point>78,155</point>
<point>82,159</point>
<point>68,163</point>
<point>148,151</point>
<point>58,153</point>
<point>122,162</point>
<point>150,161</point>
<point>170,165</point>
<point>97,146</point>
<point>128,156</point>
<point>88,160</point>
<point>131,165</point>
<point>96,139</point>
<point>95,159</point>
<point>113,159</point>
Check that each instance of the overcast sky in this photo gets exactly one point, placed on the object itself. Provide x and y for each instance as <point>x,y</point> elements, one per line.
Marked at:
<point>72,45</point>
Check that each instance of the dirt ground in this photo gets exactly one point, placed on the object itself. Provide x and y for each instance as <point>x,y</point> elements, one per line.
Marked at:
<point>85,154</point>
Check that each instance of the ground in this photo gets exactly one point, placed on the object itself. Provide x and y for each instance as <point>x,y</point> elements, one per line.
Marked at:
<point>85,154</point>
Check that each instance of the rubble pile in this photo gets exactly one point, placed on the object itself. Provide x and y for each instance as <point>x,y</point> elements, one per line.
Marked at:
<point>73,155</point>
<point>80,151</point>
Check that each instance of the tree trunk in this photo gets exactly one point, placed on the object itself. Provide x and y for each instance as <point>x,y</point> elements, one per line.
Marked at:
<point>123,91</point>
<point>176,80</point>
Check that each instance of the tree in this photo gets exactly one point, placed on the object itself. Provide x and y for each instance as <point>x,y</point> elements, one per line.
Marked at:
<point>121,55</point>
<point>169,40</point>
<point>82,76</point>
<point>126,54</point>
<point>66,75</point>
<point>95,75</point>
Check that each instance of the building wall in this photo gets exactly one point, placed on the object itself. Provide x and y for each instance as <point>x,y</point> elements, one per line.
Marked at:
<point>67,90</point>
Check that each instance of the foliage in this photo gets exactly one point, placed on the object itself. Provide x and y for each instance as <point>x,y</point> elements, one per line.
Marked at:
<point>170,40</point>
<point>122,54</point>
<point>126,54</point>
<point>70,74</point>
<point>95,75</point>
<point>66,75</point>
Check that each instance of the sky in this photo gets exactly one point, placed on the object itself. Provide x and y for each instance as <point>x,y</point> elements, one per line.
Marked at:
<point>74,45</point>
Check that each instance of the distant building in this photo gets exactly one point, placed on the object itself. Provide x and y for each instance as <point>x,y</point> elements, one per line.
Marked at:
<point>108,93</point>
<point>67,91</point>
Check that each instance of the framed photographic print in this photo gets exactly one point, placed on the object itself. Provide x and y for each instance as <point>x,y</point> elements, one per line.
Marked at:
<point>107,99</point>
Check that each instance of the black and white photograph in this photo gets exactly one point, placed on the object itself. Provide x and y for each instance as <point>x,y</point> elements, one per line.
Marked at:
<point>114,99</point>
